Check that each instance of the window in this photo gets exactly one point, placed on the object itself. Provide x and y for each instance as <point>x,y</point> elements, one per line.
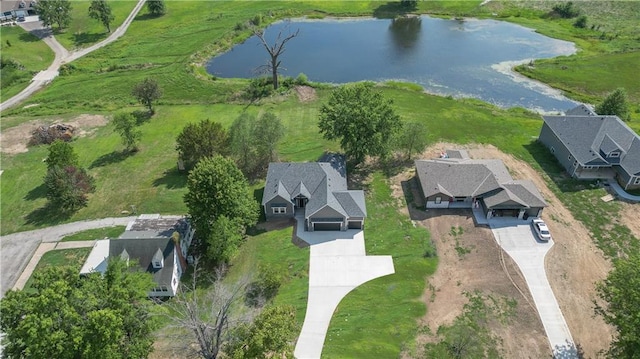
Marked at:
<point>637,180</point>
<point>438,200</point>
<point>614,154</point>
<point>553,150</point>
<point>279,210</point>
<point>157,264</point>
<point>569,158</point>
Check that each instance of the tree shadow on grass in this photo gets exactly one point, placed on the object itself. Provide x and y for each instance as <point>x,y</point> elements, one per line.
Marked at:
<point>141,116</point>
<point>554,169</point>
<point>171,179</point>
<point>146,16</point>
<point>34,35</point>
<point>111,158</point>
<point>47,215</point>
<point>86,38</point>
<point>36,193</point>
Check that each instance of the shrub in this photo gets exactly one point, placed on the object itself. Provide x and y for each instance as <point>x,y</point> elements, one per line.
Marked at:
<point>302,80</point>
<point>581,22</point>
<point>264,288</point>
<point>258,88</point>
<point>566,10</point>
<point>67,187</point>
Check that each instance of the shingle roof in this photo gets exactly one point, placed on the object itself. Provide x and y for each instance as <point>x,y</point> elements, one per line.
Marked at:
<point>580,110</point>
<point>488,179</point>
<point>319,182</point>
<point>585,136</point>
<point>143,251</point>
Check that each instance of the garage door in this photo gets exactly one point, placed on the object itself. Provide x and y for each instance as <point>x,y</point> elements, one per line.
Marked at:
<point>355,224</point>
<point>324,226</point>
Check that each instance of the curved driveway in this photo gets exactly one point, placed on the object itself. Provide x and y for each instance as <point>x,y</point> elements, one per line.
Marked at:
<point>17,249</point>
<point>62,56</point>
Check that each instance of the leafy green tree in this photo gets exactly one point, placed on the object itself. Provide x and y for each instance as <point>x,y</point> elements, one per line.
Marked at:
<point>566,10</point>
<point>581,22</point>
<point>413,138</point>
<point>225,237</point>
<point>216,188</point>
<point>156,7</point>
<point>54,12</point>
<point>68,187</point>
<point>269,336</point>
<point>241,136</point>
<point>199,140</point>
<point>147,92</point>
<point>621,292</point>
<point>126,125</point>
<point>268,131</point>
<point>101,11</point>
<point>615,104</point>
<point>363,120</point>
<point>61,154</point>
<point>66,317</point>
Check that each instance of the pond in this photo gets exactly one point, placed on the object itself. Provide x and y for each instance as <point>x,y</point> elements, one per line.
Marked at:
<point>460,58</point>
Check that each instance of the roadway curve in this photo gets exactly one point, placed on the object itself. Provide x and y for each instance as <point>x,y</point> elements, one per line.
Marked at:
<point>62,56</point>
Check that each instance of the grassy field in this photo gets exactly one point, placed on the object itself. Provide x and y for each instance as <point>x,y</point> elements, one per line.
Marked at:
<point>23,55</point>
<point>98,233</point>
<point>62,257</point>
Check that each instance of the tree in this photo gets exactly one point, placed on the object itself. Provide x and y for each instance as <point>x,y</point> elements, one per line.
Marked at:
<point>581,22</point>
<point>621,292</point>
<point>199,140</point>
<point>268,337</point>
<point>413,138</point>
<point>61,154</point>
<point>615,104</point>
<point>125,124</point>
<point>147,92</point>
<point>274,51</point>
<point>54,12</point>
<point>225,237</point>
<point>156,7</point>
<point>268,131</point>
<point>216,187</point>
<point>363,120</point>
<point>101,11</point>
<point>242,144</point>
<point>566,10</point>
<point>65,316</point>
<point>68,187</point>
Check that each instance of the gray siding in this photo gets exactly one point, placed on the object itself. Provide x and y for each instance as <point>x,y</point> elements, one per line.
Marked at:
<point>327,212</point>
<point>268,211</point>
<point>559,150</point>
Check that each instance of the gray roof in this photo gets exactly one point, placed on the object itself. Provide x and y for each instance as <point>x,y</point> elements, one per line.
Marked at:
<point>461,154</point>
<point>581,110</point>
<point>488,179</point>
<point>588,137</point>
<point>143,251</point>
<point>151,226</point>
<point>322,183</point>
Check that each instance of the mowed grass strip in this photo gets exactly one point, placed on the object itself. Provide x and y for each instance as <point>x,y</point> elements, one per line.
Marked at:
<point>61,257</point>
<point>97,233</point>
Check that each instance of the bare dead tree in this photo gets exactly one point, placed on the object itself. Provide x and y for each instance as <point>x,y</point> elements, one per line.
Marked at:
<point>209,316</point>
<point>274,51</point>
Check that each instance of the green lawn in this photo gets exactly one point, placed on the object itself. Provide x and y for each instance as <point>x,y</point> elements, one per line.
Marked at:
<point>62,257</point>
<point>98,233</point>
<point>25,55</point>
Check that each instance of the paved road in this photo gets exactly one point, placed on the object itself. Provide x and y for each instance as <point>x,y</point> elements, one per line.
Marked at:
<point>336,267</point>
<point>519,241</point>
<point>62,56</point>
<point>17,249</point>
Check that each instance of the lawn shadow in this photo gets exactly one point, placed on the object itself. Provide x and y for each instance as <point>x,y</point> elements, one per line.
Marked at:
<point>82,38</point>
<point>47,215</point>
<point>146,16</point>
<point>35,35</point>
<point>554,169</point>
<point>142,116</point>
<point>392,9</point>
<point>111,158</point>
<point>36,193</point>
<point>171,179</point>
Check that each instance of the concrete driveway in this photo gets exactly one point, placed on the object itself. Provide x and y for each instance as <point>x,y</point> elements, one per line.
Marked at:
<point>337,266</point>
<point>517,238</point>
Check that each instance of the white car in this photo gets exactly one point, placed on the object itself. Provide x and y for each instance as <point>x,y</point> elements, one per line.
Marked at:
<point>541,229</point>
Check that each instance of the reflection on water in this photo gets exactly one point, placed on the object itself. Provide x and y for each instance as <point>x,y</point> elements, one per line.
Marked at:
<point>462,58</point>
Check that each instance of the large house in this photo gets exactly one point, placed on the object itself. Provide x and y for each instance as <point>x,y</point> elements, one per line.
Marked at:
<point>590,146</point>
<point>148,243</point>
<point>316,190</point>
<point>456,181</point>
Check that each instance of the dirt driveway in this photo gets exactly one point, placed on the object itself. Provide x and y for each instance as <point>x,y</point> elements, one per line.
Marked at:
<point>573,266</point>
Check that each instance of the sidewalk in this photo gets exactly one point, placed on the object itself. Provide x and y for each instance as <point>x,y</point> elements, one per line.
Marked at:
<point>622,193</point>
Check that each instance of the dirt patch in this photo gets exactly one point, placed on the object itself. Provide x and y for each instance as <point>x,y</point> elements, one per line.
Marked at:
<point>573,266</point>
<point>305,93</point>
<point>15,139</point>
<point>629,217</point>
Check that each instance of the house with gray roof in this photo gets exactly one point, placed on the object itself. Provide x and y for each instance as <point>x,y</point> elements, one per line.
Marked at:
<point>147,244</point>
<point>590,146</point>
<point>456,181</point>
<point>316,190</point>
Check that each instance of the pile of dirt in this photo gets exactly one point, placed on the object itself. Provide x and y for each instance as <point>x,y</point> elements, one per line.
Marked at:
<point>573,266</point>
<point>305,93</point>
<point>16,139</point>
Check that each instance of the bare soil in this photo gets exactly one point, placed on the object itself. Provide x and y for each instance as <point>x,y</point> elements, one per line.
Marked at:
<point>14,140</point>
<point>305,93</point>
<point>573,267</point>
<point>630,217</point>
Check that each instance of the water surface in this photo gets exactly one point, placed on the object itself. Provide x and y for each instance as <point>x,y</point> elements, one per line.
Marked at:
<point>461,58</point>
